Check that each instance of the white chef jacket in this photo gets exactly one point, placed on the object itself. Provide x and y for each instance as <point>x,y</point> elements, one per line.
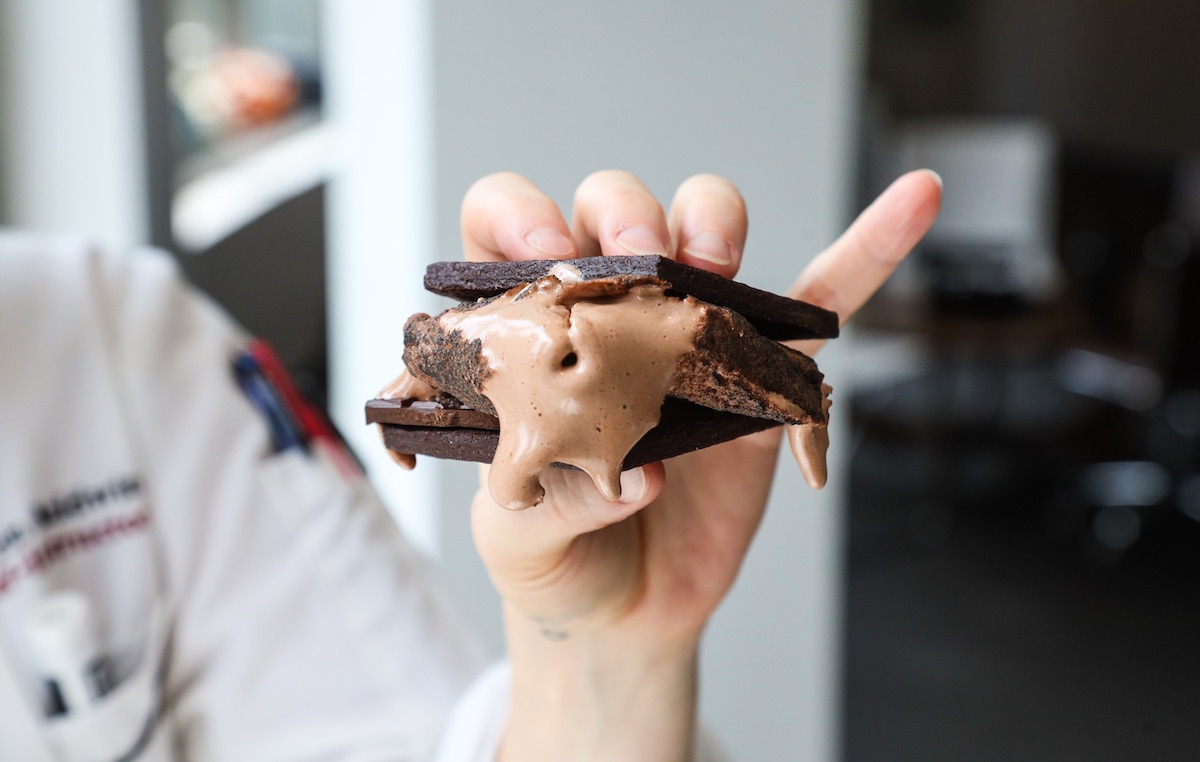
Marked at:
<point>252,604</point>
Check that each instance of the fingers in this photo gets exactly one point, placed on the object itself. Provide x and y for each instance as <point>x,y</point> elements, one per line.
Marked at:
<point>708,219</point>
<point>616,214</point>
<point>573,507</point>
<point>853,268</point>
<point>505,216</point>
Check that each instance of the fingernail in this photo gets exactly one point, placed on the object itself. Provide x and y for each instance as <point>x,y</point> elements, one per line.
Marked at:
<point>711,247</point>
<point>553,243</point>
<point>633,485</point>
<point>936,177</point>
<point>641,240</point>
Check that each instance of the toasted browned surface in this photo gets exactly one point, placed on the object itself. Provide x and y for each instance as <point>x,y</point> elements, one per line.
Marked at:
<point>446,360</point>
<point>736,370</point>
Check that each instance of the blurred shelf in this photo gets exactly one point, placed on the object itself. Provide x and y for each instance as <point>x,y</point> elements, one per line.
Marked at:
<point>235,184</point>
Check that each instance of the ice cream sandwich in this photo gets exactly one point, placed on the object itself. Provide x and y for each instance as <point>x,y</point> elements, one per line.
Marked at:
<point>600,364</point>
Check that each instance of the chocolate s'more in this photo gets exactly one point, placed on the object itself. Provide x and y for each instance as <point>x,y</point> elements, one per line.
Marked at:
<point>601,364</point>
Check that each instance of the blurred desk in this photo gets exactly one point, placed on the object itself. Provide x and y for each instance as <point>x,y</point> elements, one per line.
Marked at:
<point>985,379</point>
<point>1055,325</point>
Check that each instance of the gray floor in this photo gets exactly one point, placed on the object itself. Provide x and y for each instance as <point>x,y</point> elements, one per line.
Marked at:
<point>983,621</point>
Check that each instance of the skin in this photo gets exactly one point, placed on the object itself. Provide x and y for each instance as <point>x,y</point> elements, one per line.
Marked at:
<point>604,601</point>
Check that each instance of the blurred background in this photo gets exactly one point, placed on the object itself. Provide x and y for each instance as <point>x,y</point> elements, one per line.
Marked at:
<point>1004,565</point>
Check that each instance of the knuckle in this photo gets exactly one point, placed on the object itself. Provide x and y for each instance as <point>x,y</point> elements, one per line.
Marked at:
<point>604,182</point>
<point>489,186</point>
<point>704,192</point>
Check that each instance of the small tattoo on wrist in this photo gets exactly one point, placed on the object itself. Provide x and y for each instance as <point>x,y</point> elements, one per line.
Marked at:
<point>555,635</point>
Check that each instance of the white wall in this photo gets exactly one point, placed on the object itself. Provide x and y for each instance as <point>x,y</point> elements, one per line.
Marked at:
<point>381,211</point>
<point>72,143</point>
<point>760,92</point>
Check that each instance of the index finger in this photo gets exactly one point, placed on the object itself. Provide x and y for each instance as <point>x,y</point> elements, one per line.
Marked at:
<point>505,216</point>
<point>852,269</point>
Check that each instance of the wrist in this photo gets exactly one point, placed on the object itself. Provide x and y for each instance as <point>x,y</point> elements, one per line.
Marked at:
<point>598,695</point>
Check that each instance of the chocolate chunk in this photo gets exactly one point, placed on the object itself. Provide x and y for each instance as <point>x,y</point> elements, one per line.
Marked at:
<point>776,317</point>
<point>443,413</point>
<point>683,427</point>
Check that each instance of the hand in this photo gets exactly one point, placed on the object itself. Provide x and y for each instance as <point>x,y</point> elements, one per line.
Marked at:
<point>603,596</point>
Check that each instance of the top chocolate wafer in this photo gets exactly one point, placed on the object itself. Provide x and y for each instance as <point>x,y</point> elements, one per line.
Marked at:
<point>776,317</point>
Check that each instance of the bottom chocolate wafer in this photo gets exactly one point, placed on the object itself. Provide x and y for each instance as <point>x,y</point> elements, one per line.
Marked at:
<point>683,427</point>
